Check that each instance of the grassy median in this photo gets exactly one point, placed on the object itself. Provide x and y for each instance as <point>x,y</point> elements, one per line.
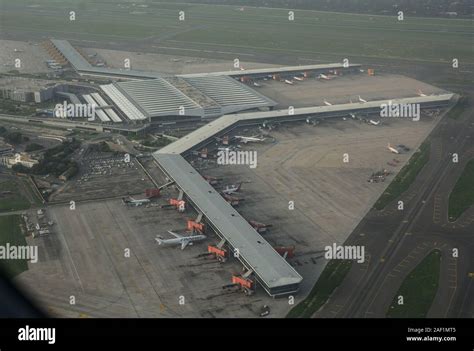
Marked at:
<point>462,196</point>
<point>418,289</point>
<point>330,279</point>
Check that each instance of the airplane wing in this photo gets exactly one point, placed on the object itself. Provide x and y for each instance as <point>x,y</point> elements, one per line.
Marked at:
<point>184,243</point>
<point>176,235</point>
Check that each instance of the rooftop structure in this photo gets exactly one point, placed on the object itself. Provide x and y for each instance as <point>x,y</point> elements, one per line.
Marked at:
<point>272,271</point>
<point>29,90</point>
<point>261,72</point>
<point>82,66</point>
<point>227,122</point>
<point>179,97</point>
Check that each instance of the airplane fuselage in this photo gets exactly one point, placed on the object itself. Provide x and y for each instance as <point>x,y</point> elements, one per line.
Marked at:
<point>178,241</point>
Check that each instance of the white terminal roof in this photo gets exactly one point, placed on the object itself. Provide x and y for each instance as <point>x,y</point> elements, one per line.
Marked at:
<point>108,110</point>
<point>215,127</point>
<point>233,96</point>
<point>256,253</point>
<point>101,114</point>
<point>272,70</point>
<point>84,67</point>
<point>157,97</point>
<point>196,97</point>
<point>122,102</point>
<point>81,65</point>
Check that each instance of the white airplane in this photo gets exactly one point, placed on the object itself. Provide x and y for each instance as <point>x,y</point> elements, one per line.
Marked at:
<point>255,84</point>
<point>231,189</point>
<point>353,116</point>
<point>298,78</point>
<point>18,50</point>
<point>323,76</point>
<point>392,149</point>
<point>133,202</point>
<point>180,239</point>
<point>327,103</point>
<point>375,123</point>
<point>289,82</point>
<point>362,100</point>
<point>420,93</point>
<point>246,140</point>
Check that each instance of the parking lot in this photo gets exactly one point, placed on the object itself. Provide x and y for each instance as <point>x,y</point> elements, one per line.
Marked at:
<point>104,176</point>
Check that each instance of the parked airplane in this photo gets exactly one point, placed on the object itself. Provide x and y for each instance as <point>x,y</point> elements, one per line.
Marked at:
<point>392,149</point>
<point>270,125</point>
<point>260,227</point>
<point>353,116</point>
<point>289,82</point>
<point>362,100</point>
<point>327,103</point>
<point>133,202</point>
<point>180,239</point>
<point>212,180</point>
<point>420,93</point>
<point>298,78</point>
<point>232,188</point>
<point>325,77</point>
<point>255,84</point>
<point>246,140</point>
<point>232,200</point>
<point>312,120</point>
<point>228,148</point>
<point>375,123</point>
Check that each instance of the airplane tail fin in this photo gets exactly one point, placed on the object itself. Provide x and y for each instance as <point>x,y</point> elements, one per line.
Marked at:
<point>159,241</point>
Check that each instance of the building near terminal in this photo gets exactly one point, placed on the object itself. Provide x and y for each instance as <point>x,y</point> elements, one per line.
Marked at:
<point>29,90</point>
<point>18,159</point>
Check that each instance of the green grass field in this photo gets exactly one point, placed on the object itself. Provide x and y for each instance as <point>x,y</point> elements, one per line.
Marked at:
<point>14,201</point>
<point>418,289</point>
<point>330,279</point>
<point>323,35</point>
<point>462,104</point>
<point>10,232</point>
<point>462,196</point>
<point>406,176</point>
